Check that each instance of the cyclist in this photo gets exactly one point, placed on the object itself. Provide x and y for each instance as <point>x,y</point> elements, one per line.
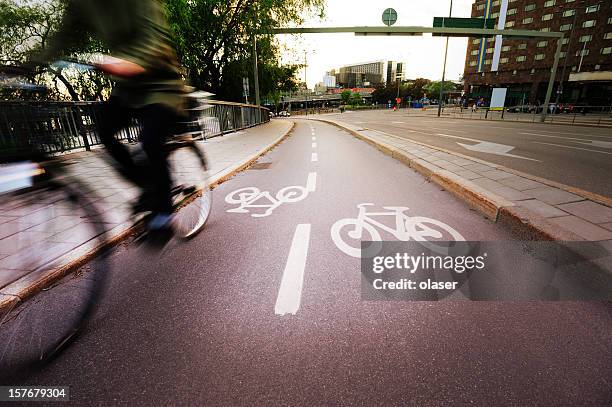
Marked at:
<point>149,87</point>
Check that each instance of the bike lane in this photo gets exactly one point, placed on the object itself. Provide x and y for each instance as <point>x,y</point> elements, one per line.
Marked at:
<point>264,308</point>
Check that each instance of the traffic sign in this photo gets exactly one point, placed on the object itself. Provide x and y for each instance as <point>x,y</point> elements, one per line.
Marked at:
<point>457,22</point>
<point>389,17</point>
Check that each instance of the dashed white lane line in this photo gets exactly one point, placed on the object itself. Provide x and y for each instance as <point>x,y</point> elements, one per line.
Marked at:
<point>314,157</point>
<point>290,291</point>
<point>311,184</point>
<point>314,145</point>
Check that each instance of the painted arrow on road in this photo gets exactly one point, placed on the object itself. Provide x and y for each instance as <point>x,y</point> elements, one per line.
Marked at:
<point>488,147</point>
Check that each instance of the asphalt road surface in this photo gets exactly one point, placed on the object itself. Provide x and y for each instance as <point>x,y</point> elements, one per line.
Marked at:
<point>577,156</point>
<point>266,310</point>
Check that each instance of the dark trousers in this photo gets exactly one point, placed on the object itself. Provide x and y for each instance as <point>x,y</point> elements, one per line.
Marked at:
<point>158,122</point>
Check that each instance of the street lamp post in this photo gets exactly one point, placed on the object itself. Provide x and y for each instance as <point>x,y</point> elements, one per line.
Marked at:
<point>450,14</point>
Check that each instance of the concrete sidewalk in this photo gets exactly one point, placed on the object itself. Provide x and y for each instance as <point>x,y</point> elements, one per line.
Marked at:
<point>65,238</point>
<point>541,207</point>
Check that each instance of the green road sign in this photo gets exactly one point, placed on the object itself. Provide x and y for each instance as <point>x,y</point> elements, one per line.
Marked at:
<point>389,17</point>
<point>455,22</point>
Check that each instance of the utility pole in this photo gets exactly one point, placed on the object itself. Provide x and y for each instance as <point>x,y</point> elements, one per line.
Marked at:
<point>306,78</point>
<point>450,14</point>
<point>256,70</point>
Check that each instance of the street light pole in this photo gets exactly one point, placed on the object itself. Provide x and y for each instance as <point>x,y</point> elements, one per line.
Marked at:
<point>306,78</point>
<point>450,14</point>
<point>256,70</point>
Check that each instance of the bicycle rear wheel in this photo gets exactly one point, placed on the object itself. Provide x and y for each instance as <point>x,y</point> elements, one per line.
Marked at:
<point>192,195</point>
<point>43,246</point>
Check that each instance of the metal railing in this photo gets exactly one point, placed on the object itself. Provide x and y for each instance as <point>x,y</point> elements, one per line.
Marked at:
<point>58,127</point>
<point>576,115</point>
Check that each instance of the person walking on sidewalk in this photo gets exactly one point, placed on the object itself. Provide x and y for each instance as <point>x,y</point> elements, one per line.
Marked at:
<point>149,87</point>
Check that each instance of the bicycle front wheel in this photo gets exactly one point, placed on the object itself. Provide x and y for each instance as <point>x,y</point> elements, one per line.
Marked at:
<point>192,194</point>
<point>45,245</point>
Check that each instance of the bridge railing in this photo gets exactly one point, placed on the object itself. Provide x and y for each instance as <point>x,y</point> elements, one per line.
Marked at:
<point>58,127</point>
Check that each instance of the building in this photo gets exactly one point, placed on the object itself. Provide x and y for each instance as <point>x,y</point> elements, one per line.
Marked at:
<point>329,80</point>
<point>368,74</point>
<point>395,71</point>
<point>584,75</point>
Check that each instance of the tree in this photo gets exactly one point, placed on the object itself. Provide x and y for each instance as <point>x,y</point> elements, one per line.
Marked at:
<point>27,28</point>
<point>356,99</point>
<point>346,96</point>
<point>433,88</point>
<point>214,41</point>
<point>414,90</point>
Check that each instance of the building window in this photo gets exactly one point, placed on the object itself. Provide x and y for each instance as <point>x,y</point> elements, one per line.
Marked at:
<point>506,48</point>
<point>476,41</point>
<point>514,72</point>
<point>509,24</point>
<point>565,41</point>
<point>565,27</point>
<point>608,36</point>
<point>542,44</point>
<point>606,50</point>
<point>522,46</point>
<point>540,57</point>
<point>592,9</point>
<point>545,29</point>
<point>610,20</point>
<point>480,7</point>
<point>521,58</point>
<point>562,54</point>
<point>495,3</point>
<point>573,68</point>
<point>585,38</point>
<point>489,50</point>
<point>530,7</point>
<point>597,67</point>
<point>511,12</point>
<point>487,62</point>
<point>582,52</point>
<point>532,71</point>
<point>494,15</point>
<point>568,13</point>
<point>473,63</point>
<point>528,20</point>
<point>547,17</point>
<point>474,52</point>
<point>570,1</point>
<point>549,3</point>
<point>503,60</point>
<point>589,23</point>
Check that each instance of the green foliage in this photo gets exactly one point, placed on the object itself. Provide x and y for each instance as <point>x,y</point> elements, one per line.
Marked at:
<point>414,90</point>
<point>433,88</point>
<point>356,99</point>
<point>214,42</point>
<point>346,96</point>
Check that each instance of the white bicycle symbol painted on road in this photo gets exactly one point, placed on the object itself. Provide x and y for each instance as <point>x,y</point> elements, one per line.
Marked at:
<point>253,198</point>
<point>348,233</point>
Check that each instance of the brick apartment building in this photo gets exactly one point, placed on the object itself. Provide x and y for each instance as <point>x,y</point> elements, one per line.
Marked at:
<point>524,64</point>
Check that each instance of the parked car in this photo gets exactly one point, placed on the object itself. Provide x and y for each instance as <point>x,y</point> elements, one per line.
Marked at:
<point>284,113</point>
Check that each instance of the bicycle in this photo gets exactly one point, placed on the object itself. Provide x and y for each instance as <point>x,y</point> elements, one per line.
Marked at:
<point>417,228</point>
<point>36,328</point>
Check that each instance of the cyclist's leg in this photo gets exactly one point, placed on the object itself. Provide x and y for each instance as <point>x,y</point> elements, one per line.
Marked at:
<point>114,117</point>
<point>158,123</point>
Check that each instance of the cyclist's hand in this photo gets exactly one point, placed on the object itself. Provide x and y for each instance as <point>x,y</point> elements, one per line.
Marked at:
<point>119,67</point>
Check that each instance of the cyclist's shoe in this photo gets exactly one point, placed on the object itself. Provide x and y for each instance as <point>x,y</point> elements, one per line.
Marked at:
<point>159,231</point>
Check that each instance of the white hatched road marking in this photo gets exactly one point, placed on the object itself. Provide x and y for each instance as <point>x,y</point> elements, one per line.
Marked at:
<point>314,145</point>
<point>574,148</point>
<point>314,157</point>
<point>292,282</point>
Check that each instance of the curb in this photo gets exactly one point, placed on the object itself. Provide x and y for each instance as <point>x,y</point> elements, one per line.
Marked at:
<point>29,285</point>
<point>496,208</point>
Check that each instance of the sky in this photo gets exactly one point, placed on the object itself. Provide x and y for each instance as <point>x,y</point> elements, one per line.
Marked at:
<point>424,55</point>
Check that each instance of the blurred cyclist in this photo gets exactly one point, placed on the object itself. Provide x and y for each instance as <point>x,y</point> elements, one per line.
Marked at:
<point>149,87</point>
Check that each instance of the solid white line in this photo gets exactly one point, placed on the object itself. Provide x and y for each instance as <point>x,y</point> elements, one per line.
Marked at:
<point>292,282</point>
<point>311,184</point>
<point>314,145</point>
<point>573,148</point>
<point>314,158</point>
<point>564,138</point>
<point>461,138</point>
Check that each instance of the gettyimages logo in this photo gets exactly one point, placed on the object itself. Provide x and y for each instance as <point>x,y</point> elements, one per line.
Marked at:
<point>414,264</point>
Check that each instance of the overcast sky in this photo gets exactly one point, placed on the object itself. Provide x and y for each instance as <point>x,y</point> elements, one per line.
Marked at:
<point>424,55</point>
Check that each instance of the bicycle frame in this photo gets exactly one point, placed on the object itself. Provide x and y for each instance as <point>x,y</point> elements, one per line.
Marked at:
<point>400,232</point>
